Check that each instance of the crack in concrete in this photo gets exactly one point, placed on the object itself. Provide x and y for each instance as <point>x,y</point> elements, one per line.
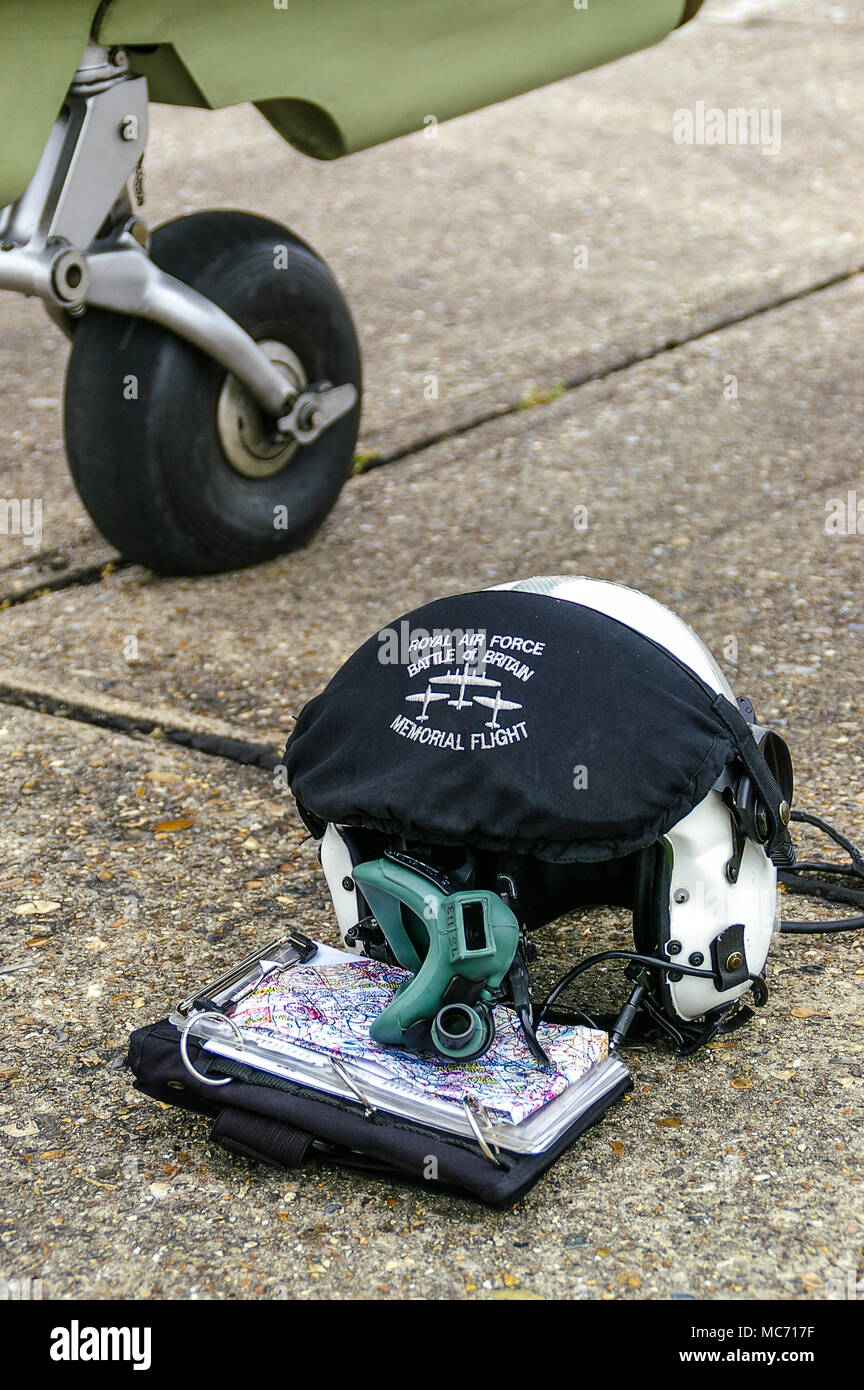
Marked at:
<point>94,574</point>
<point>72,579</point>
<point>634,359</point>
<point>233,750</point>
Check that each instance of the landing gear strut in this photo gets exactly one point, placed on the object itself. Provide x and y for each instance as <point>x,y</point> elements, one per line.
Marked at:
<point>213,391</point>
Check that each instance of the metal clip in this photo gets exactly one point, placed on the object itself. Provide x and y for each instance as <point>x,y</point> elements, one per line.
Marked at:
<point>263,962</point>
<point>474,1110</point>
<point>349,1081</point>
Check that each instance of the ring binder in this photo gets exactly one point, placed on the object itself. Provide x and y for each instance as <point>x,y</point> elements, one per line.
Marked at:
<point>300,1078</point>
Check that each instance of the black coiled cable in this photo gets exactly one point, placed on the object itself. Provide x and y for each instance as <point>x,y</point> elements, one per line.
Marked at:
<point>816,878</point>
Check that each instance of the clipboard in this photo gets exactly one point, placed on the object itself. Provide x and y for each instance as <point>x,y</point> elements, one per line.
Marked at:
<point>298,1011</point>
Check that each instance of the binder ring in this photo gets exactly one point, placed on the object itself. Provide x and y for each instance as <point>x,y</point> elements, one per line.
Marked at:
<point>468,1104</point>
<point>345,1076</point>
<point>184,1046</point>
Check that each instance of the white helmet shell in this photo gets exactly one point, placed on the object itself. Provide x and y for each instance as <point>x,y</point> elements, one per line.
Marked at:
<point>638,611</point>
<point>702,899</point>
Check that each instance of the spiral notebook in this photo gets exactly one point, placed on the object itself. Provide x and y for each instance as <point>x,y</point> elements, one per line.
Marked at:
<point>308,1022</point>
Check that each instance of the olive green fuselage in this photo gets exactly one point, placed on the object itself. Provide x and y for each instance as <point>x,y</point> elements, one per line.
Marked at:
<point>332,76</point>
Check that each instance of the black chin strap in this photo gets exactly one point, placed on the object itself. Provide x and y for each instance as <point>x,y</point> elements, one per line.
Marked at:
<point>800,879</point>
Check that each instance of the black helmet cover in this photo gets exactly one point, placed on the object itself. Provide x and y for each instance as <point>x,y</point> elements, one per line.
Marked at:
<point>515,722</point>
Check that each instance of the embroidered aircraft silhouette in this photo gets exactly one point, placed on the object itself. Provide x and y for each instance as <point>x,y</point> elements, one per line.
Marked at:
<point>496,705</point>
<point>463,679</point>
<point>427,696</point>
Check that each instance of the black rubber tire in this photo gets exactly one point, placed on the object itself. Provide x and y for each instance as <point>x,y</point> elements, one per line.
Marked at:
<point>151,471</point>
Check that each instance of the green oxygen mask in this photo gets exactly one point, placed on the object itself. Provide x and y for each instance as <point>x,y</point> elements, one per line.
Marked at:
<point>459,946</point>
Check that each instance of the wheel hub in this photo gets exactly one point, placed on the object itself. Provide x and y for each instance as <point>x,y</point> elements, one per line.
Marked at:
<point>246,432</point>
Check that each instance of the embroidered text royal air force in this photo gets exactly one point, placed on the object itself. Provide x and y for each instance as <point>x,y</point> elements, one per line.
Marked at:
<point>469,684</point>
